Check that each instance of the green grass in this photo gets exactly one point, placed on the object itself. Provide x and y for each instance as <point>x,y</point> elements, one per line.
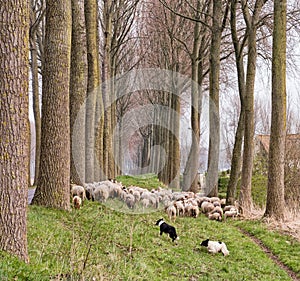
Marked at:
<point>99,242</point>
<point>148,181</point>
<point>109,242</point>
<point>283,246</point>
<point>222,186</point>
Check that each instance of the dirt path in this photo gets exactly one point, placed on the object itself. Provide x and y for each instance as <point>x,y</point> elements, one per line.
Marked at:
<point>271,255</point>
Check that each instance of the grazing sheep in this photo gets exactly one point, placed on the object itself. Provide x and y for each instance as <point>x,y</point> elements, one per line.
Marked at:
<point>101,193</point>
<point>77,202</point>
<point>223,202</point>
<point>136,194</point>
<point>179,207</point>
<point>215,216</point>
<point>207,207</point>
<point>215,199</point>
<point>217,210</point>
<point>79,191</point>
<point>232,213</point>
<point>192,210</point>
<point>217,204</point>
<point>171,211</point>
<point>145,203</point>
<point>129,200</point>
<point>153,200</point>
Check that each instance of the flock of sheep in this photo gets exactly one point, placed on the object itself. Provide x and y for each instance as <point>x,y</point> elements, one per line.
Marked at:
<point>174,203</point>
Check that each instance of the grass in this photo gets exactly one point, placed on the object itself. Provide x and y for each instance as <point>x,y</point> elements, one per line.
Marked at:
<point>101,243</point>
<point>108,242</point>
<point>148,181</point>
<point>283,246</point>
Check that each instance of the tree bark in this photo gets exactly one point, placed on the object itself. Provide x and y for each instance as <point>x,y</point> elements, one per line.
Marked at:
<point>214,89</point>
<point>14,126</point>
<point>275,194</point>
<point>190,173</point>
<point>53,189</point>
<point>251,22</point>
<point>108,160</point>
<point>236,160</point>
<point>78,89</point>
<point>92,149</point>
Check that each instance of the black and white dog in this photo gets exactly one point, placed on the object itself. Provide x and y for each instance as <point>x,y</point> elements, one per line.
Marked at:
<point>168,229</point>
<point>215,247</point>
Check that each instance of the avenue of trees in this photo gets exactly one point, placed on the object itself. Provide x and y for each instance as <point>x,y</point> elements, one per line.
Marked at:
<point>102,106</point>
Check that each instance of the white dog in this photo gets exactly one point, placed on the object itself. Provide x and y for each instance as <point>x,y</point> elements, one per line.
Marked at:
<point>215,247</point>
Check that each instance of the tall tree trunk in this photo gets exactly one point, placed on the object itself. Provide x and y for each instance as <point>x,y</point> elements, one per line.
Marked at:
<point>191,168</point>
<point>78,89</point>
<point>214,89</point>
<point>53,187</point>
<point>237,149</point>
<point>252,22</point>
<point>175,149</point>
<point>107,91</point>
<point>245,192</point>
<point>93,90</point>
<point>275,195</point>
<point>14,126</point>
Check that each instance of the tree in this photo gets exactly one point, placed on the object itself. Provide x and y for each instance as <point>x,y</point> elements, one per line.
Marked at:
<point>14,126</point>
<point>252,21</point>
<point>94,104</point>
<point>192,165</point>
<point>237,149</point>
<point>214,90</point>
<point>275,194</point>
<point>53,187</point>
<point>78,89</point>
<point>108,162</point>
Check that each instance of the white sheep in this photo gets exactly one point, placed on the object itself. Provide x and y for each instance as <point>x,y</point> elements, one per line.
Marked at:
<point>129,200</point>
<point>192,210</point>
<point>217,209</point>
<point>77,202</point>
<point>101,193</point>
<point>171,211</point>
<point>207,207</point>
<point>79,191</point>
<point>215,216</point>
<point>145,203</point>
<point>232,213</point>
<point>89,191</point>
<point>151,197</point>
<point>179,208</point>
<point>135,193</point>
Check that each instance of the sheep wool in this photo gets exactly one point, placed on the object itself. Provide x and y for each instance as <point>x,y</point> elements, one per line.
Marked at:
<point>77,202</point>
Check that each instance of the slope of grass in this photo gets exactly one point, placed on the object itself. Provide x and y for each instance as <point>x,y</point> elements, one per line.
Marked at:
<point>98,242</point>
<point>283,246</point>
